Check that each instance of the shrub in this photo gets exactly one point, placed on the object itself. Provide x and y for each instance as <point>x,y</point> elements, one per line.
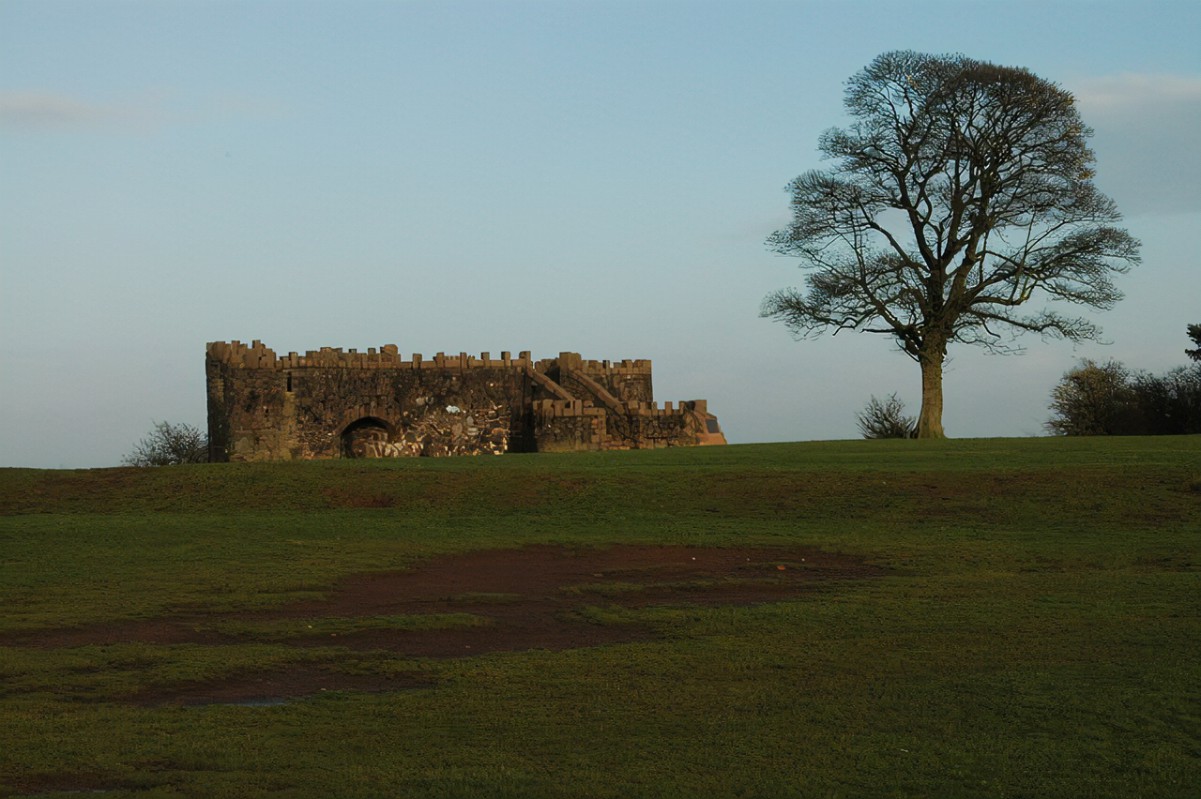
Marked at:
<point>886,419</point>
<point>1169,404</point>
<point>1094,400</point>
<point>1100,400</point>
<point>169,444</point>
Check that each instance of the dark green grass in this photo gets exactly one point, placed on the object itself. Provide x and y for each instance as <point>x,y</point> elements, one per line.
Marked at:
<point>1037,635</point>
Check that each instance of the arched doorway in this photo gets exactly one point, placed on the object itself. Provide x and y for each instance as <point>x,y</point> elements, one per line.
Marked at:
<point>368,437</point>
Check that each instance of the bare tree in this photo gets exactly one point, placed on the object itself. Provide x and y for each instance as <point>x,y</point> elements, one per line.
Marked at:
<point>961,192</point>
<point>169,444</point>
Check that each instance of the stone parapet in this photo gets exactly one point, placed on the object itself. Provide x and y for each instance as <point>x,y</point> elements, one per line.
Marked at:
<point>257,356</point>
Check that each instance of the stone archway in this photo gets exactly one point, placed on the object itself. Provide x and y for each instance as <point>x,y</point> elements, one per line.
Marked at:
<point>368,437</point>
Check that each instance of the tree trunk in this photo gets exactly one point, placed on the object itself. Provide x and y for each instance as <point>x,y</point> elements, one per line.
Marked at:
<point>929,421</point>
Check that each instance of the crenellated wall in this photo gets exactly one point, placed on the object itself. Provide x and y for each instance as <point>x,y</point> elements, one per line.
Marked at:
<point>329,403</point>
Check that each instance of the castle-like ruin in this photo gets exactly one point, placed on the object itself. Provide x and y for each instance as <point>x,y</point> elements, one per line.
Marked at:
<point>375,404</point>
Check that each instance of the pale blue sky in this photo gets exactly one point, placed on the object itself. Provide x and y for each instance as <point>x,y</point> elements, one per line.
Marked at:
<point>501,175</point>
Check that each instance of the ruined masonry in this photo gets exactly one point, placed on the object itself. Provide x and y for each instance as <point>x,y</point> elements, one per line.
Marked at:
<point>374,404</point>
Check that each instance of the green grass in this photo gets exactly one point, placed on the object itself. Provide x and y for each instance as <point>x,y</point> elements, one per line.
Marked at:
<point>1037,634</point>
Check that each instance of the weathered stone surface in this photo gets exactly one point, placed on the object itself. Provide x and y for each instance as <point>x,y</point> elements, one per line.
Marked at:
<point>330,404</point>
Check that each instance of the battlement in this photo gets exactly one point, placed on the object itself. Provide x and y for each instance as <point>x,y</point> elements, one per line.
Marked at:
<point>256,355</point>
<point>560,408</point>
<point>573,362</point>
<point>331,402</point>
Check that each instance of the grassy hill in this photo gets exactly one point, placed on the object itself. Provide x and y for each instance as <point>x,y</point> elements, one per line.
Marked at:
<point>1030,626</point>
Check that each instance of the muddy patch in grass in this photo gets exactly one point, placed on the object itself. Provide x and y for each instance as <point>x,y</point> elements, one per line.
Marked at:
<point>276,687</point>
<point>519,599</point>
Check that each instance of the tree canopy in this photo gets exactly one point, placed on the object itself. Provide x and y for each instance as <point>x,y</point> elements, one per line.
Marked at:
<point>960,192</point>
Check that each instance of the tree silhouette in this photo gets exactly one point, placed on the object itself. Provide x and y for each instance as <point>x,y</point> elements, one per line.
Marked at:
<point>961,192</point>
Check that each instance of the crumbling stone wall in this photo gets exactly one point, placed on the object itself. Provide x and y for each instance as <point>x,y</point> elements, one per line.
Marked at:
<point>329,404</point>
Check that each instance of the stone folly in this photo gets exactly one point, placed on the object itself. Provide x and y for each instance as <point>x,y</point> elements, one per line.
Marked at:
<point>375,404</point>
